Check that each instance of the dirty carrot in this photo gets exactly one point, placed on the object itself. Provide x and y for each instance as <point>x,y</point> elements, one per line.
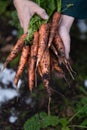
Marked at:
<point>43,40</point>
<point>45,74</point>
<point>54,27</point>
<point>39,70</point>
<point>45,69</point>
<point>33,58</point>
<point>54,51</point>
<point>16,49</point>
<point>58,43</point>
<point>22,63</point>
<point>55,65</point>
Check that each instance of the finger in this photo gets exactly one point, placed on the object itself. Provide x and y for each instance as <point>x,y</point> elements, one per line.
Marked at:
<point>41,12</point>
<point>67,21</point>
<point>67,50</point>
<point>66,42</point>
<point>26,24</point>
<point>21,23</point>
<point>20,20</point>
<point>25,27</point>
<point>66,39</point>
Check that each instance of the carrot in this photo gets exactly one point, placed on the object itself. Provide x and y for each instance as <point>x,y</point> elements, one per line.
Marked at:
<point>55,65</point>
<point>54,51</point>
<point>57,68</point>
<point>54,27</point>
<point>39,70</point>
<point>58,71</point>
<point>22,63</point>
<point>45,70</point>
<point>33,58</point>
<point>59,50</point>
<point>43,40</point>
<point>16,49</point>
<point>58,43</point>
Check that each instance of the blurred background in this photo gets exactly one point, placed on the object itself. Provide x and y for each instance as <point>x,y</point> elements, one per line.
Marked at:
<point>18,106</point>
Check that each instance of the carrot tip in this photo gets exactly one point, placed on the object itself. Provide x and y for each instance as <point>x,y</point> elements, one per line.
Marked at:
<point>30,90</point>
<point>36,77</point>
<point>37,64</point>
<point>49,45</point>
<point>15,82</point>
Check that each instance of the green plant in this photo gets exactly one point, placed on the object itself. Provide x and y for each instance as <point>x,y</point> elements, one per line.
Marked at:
<point>3,6</point>
<point>41,120</point>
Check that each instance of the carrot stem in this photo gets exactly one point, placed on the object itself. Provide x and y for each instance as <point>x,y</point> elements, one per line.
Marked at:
<point>59,5</point>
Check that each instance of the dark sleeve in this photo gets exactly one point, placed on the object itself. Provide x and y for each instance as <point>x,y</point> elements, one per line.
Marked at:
<point>77,10</point>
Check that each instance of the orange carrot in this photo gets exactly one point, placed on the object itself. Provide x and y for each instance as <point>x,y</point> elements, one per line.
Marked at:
<point>39,70</point>
<point>33,58</point>
<point>58,43</point>
<point>43,40</point>
<point>58,71</point>
<point>16,49</point>
<point>55,66</point>
<point>54,27</point>
<point>45,70</point>
<point>22,63</point>
<point>54,51</point>
<point>46,82</point>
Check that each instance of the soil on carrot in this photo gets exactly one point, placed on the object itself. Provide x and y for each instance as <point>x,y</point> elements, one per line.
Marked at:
<point>14,112</point>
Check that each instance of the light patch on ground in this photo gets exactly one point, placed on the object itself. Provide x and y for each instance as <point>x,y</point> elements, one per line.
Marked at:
<point>6,78</point>
<point>12,119</point>
<point>7,94</point>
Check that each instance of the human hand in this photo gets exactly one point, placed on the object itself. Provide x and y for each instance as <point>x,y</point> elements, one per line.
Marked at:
<point>26,9</point>
<point>64,29</point>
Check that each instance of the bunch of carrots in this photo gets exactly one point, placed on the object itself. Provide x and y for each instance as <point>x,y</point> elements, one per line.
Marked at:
<point>44,55</point>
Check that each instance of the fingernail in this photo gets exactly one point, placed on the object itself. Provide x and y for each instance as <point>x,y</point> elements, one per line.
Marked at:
<point>46,16</point>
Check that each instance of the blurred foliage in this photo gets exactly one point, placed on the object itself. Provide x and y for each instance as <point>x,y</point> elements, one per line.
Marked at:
<point>6,7</point>
<point>7,11</point>
<point>14,21</point>
<point>3,6</point>
<point>77,121</point>
<point>41,120</point>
